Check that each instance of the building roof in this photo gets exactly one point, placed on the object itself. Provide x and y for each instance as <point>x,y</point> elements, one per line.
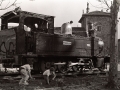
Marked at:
<point>13,16</point>
<point>94,13</point>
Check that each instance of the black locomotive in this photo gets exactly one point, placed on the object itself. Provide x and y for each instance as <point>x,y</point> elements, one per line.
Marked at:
<point>34,41</point>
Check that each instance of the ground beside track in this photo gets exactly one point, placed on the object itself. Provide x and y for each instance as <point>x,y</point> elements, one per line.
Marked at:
<point>86,81</point>
<point>68,82</point>
<point>82,82</point>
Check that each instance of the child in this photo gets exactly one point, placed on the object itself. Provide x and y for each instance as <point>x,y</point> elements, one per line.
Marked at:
<point>49,74</point>
<point>25,71</point>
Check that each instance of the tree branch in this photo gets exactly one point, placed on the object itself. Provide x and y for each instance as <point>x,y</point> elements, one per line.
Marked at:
<point>97,6</point>
<point>7,3</point>
<point>1,2</point>
<point>9,6</point>
<point>106,3</point>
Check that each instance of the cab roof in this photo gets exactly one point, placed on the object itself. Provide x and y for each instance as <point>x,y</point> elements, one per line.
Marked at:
<point>12,13</point>
<point>14,16</point>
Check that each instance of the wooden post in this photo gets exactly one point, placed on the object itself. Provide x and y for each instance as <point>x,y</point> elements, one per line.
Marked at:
<point>113,70</point>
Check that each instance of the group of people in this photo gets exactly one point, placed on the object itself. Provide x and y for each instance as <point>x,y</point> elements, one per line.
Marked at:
<point>25,71</point>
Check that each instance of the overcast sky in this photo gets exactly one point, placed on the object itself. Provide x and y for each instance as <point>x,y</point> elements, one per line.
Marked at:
<point>63,10</point>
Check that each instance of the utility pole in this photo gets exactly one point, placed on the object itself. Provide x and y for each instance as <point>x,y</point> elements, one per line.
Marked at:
<point>113,70</point>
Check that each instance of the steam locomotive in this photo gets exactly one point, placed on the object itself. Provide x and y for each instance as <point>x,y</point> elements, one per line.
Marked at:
<point>41,47</point>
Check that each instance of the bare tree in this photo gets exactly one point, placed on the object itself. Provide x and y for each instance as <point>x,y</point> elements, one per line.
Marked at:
<point>8,4</point>
<point>113,72</point>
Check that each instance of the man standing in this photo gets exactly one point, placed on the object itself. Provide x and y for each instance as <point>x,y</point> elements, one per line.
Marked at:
<point>25,72</point>
<point>49,75</point>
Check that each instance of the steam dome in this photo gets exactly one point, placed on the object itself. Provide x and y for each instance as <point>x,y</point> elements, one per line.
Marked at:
<point>66,28</point>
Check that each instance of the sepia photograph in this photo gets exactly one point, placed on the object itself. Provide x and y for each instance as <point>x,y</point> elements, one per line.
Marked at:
<point>59,45</point>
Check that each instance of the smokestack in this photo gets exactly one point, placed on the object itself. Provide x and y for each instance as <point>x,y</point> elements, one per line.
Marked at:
<point>87,9</point>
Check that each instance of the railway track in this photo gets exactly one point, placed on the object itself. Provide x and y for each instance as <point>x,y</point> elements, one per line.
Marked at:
<point>16,76</point>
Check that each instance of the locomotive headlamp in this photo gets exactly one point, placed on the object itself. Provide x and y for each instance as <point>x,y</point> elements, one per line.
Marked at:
<point>100,43</point>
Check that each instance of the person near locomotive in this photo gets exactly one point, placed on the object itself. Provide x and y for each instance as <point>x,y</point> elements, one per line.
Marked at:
<point>25,71</point>
<point>49,75</point>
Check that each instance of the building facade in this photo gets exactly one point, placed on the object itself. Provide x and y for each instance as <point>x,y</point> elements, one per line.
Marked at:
<point>100,24</point>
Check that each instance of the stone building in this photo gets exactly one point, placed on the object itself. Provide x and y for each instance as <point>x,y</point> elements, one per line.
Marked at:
<point>101,25</point>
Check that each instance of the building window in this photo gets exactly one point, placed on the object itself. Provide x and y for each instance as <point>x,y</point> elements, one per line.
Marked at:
<point>99,28</point>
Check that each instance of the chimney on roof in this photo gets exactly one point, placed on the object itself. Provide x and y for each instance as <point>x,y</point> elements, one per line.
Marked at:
<point>87,9</point>
<point>83,11</point>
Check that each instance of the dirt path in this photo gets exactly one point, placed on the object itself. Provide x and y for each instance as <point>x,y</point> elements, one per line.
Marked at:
<point>82,82</point>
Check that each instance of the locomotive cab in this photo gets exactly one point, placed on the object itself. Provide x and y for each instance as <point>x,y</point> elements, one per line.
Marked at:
<point>20,40</point>
<point>26,28</point>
